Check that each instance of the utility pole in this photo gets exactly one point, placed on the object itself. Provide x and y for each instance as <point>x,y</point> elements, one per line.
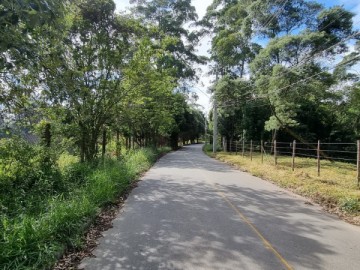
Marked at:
<point>205,126</point>
<point>215,131</point>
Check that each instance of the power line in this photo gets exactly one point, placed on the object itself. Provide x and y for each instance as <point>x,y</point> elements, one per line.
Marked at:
<point>276,14</point>
<point>201,91</point>
<point>309,77</point>
<point>298,65</point>
<point>314,75</point>
<point>312,57</point>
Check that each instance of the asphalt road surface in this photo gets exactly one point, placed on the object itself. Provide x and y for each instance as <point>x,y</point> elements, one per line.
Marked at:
<point>193,212</point>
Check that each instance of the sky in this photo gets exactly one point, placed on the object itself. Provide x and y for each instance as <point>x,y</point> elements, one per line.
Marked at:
<point>201,88</point>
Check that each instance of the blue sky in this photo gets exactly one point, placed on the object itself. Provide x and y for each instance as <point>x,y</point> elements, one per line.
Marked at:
<point>201,5</point>
<point>351,5</point>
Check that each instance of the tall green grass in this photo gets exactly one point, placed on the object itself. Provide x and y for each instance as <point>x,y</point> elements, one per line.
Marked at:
<point>35,239</point>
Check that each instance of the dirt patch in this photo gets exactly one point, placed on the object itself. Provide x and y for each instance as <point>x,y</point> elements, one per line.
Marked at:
<point>328,182</point>
<point>327,202</point>
<point>303,175</point>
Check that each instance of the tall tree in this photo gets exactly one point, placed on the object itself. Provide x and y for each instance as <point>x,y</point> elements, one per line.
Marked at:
<point>289,71</point>
<point>147,108</point>
<point>83,69</point>
<point>20,21</point>
<point>171,18</point>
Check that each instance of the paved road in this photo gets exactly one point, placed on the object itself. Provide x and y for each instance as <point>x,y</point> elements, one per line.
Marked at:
<point>193,212</point>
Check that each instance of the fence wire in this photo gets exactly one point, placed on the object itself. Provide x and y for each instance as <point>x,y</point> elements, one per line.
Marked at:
<point>271,151</point>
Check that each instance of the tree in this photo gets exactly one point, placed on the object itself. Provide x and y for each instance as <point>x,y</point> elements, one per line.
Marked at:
<point>348,113</point>
<point>147,108</point>
<point>192,126</point>
<point>241,112</point>
<point>290,74</point>
<point>20,23</point>
<point>83,69</point>
<point>170,17</point>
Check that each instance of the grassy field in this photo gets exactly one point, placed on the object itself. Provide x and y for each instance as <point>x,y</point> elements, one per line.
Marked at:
<point>335,189</point>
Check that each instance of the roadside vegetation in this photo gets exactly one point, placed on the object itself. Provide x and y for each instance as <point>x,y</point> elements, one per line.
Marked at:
<point>286,71</point>
<point>47,208</point>
<point>335,189</point>
<point>89,98</point>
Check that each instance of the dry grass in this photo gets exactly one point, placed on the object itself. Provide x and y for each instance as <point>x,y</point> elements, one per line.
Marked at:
<point>335,189</point>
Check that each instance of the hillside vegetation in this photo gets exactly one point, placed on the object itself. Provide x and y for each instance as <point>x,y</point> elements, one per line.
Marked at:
<point>89,96</point>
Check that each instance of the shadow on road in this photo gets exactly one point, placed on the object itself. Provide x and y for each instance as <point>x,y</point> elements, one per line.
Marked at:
<point>173,220</point>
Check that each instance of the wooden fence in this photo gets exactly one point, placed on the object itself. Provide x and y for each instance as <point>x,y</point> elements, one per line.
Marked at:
<point>345,152</point>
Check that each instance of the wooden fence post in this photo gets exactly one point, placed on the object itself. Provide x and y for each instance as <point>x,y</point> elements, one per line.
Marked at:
<point>318,157</point>
<point>293,155</point>
<point>358,162</point>
<point>243,147</point>
<point>275,153</point>
<point>251,149</point>
<point>262,151</point>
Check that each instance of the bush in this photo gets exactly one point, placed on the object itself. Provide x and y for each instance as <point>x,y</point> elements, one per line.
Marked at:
<point>209,148</point>
<point>350,205</point>
<point>28,173</point>
<point>31,241</point>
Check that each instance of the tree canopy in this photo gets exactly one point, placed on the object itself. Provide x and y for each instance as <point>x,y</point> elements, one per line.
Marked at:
<point>276,53</point>
<point>90,71</point>
<point>285,69</point>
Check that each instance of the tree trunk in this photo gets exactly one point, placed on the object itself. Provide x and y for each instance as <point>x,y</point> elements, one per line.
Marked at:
<point>91,146</point>
<point>46,136</point>
<point>83,146</point>
<point>103,142</point>
<point>118,145</point>
<point>127,143</point>
<point>174,138</point>
<point>274,135</point>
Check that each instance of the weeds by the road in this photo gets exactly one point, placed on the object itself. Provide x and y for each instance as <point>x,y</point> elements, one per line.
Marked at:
<point>336,188</point>
<point>37,227</point>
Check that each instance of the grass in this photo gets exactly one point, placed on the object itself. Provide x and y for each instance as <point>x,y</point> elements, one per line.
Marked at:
<point>336,188</point>
<point>29,241</point>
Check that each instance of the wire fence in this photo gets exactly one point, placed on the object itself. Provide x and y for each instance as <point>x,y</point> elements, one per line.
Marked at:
<point>271,151</point>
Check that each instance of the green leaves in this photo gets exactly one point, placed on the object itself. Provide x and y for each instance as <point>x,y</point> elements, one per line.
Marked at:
<point>287,71</point>
<point>169,17</point>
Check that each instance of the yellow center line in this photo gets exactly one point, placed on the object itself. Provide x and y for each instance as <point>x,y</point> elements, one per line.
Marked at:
<point>248,222</point>
<point>257,232</point>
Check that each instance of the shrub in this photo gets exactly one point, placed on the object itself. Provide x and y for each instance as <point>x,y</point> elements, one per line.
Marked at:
<point>30,241</point>
<point>27,174</point>
<point>350,205</point>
